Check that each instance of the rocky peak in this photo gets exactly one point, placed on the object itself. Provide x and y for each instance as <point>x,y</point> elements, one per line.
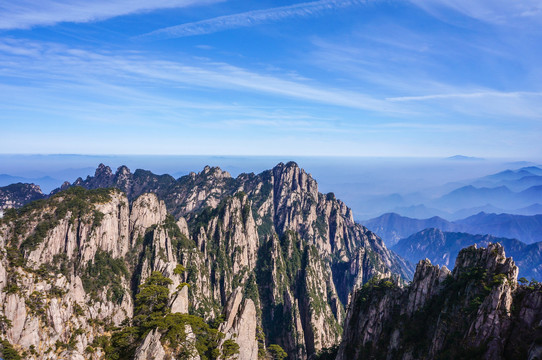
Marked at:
<point>122,170</point>
<point>294,252</point>
<point>103,171</point>
<point>215,172</point>
<point>17,195</point>
<point>492,258</point>
<point>476,312</point>
<point>291,177</point>
<point>123,174</point>
<point>427,281</point>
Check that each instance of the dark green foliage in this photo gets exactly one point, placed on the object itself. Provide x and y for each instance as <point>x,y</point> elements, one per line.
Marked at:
<point>251,290</point>
<point>80,201</point>
<point>152,312</point>
<point>8,352</point>
<point>178,240</point>
<point>60,265</point>
<point>40,232</point>
<point>327,353</point>
<point>207,338</point>
<point>122,344</point>
<point>57,292</point>
<point>36,303</point>
<point>290,245</point>
<point>97,218</point>
<point>12,285</point>
<point>15,258</point>
<point>105,272</point>
<point>152,301</point>
<point>372,291</point>
<point>229,349</point>
<point>77,201</point>
<point>179,269</point>
<point>5,323</point>
<point>276,352</point>
<point>78,310</point>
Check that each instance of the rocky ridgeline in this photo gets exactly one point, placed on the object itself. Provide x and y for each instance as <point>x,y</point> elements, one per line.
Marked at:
<point>17,195</point>
<point>478,311</point>
<point>205,265</point>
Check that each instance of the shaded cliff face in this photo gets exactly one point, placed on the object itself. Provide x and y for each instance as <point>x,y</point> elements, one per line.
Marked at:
<point>266,258</point>
<point>478,311</point>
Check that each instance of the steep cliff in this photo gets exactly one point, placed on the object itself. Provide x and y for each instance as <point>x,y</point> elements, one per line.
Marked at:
<point>298,251</point>
<point>478,311</point>
<point>143,269</point>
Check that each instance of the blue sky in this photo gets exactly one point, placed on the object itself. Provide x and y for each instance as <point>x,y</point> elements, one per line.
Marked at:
<point>354,78</point>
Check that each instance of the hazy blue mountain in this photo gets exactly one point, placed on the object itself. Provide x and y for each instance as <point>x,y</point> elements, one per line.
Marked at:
<point>420,211</point>
<point>525,228</point>
<point>534,193</point>
<point>533,169</point>
<point>487,208</point>
<point>509,175</point>
<point>464,158</point>
<point>46,183</point>
<point>499,198</point>
<point>470,196</point>
<point>515,185</point>
<point>530,210</point>
<point>442,247</point>
<point>392,227</point>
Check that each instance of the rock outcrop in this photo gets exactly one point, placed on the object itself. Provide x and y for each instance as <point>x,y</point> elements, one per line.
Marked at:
<point>17,195</point>
<point>478,311</point>
<point>286,254</point>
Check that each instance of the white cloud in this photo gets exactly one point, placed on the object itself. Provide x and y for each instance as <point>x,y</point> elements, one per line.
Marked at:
<point>51,62</point>
<point>513,94</point>
<point>24,14</point>
<point>251,18</point>
<point>492,11</point>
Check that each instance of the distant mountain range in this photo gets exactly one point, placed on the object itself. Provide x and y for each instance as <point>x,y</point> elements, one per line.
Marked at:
<point>46,183</point>
<point>510,191</point>
<point>501,197</point>
<point>442,247</point>
<point>392,227</point>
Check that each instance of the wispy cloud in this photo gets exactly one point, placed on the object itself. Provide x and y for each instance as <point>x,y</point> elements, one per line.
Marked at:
<point>53,62</point>
<point>492,11</point>
<point>513,94</point>
<point>251,18</point>
<point>24,14</point>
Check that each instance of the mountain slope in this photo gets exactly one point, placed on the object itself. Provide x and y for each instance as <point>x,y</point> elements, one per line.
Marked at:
<point>17,195</point>
<point>267,260</point>
<point>478,311</point>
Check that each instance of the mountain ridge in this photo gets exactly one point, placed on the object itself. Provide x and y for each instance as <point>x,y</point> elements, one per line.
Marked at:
<point>268,251</point>
<point>476,311</point>
<point>392,227</point>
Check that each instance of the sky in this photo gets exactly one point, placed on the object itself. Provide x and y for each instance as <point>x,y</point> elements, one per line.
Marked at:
<point>227,77</point>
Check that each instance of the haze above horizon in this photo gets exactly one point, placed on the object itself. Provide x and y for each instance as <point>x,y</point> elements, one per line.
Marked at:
<point>279,78</point>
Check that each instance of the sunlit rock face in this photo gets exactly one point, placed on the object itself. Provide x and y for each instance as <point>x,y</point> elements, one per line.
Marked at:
<point>265,258</point>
